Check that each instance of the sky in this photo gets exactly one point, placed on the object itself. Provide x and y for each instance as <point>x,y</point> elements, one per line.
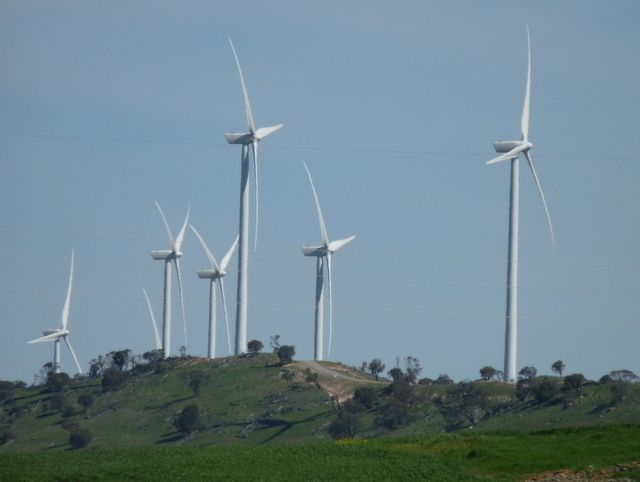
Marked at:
<point>106,107</point>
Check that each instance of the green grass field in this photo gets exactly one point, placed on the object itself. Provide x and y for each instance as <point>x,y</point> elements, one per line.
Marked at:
<point>445,457</point>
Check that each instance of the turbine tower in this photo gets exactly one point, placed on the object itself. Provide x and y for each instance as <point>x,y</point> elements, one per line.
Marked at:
<point>168,255</point>
<point>61,333</point>
<point>246,139</point>
<point>323,255</point>
<point>156,333</point>
<point>213,274</point>
<point>512,151</point>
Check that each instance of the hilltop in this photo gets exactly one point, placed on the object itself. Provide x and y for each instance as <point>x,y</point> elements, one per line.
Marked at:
<point>251,400</point>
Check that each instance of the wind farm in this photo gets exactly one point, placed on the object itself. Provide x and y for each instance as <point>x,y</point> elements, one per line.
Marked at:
<point>389,110</point>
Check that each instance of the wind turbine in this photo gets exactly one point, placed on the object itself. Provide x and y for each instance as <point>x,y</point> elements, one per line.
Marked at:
<point>213,274</point>
<point>323,254</point>
<point>246,139</point>
<point>153,321</point>
<point>61,333</point>
<point>168,255</point>
<point>512,151</point>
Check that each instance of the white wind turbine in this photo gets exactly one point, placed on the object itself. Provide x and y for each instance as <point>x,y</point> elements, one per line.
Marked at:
<point>168,255</point>
<point>323,253</point>
<point>512,151</point>
<point>156,334</point>
<point>246,139</point>
<point>213,274</point>
<point>61,333</point>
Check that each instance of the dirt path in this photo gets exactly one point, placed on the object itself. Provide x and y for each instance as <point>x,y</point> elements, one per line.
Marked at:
<point>337,380</point>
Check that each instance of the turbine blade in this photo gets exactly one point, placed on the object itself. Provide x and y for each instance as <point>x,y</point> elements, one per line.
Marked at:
<point>336,245</point>
<point>323,228</point>
<point>263,132</point>
<point>226,317</point>
<point>254,148</point>
<point>525,107</point>
<point>180,237</point>
<point>184,319</point>
<point>507,156</point>
<point>209,254</point>
<point>153,321</point>
<point>73,354</point>
<point>227,257</point>
<point>330,276</point>
<point>166,225</point>
<point>67,301</point>
<point>44,339</point>
<point>247,105</point>
<point>544,202</point>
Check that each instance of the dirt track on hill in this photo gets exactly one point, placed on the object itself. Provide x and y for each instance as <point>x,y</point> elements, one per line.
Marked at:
<point>338,381</point>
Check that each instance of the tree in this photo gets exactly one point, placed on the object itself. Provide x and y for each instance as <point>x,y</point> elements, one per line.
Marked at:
<point>558,367</point>
<point>413,369</point>
<point>96,366</point>
<point>400,390</point>
<point>624,376</point>
<point>7,390</point>
<point>364,367</point>
<point>254,346</point>
<point>545,390</point>
<point>528,373</point>
<point>80,438</point>
<point>195,379</point>
<point>119,359</point>
<point>275,343</point>
<point>113,379</point>
<point>57,382</point>
<point>58,401</point>
<point>396,374</point>
<point>286,353</point>
<point>376,367</point>
<point>463,405</point>
<point>443,379</point>
<point>488,373</point>
<point>573,384</point>
<point>366,396</point>
<point>153,356</point>
<point>183,351</point>
<point>187,420</point>
<point>85,400</point>
<point>394,414</point>
<point>345,426</point>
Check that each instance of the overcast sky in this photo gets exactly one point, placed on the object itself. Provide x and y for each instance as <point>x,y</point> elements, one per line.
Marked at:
<point>106,107</point>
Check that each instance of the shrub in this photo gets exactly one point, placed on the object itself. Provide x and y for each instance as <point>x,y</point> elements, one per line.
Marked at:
<point>113,379</point>
<point>528,373</point>
<point>68,411</point>
<point>57,382</point>
<point>488,373</point>
<point>6,390</point>
<point>7,435</point>
<point>426,381</point>
<point>394,414</point>
<point>366,396</point>
<point>254,346</point>
<point>400,390</point>
<point>58,402</point>
<point>285,354</point>
<point>345,426</point>
<point>196,379</point>
<point>545,390</point>
<point>85,400</point>
<point>573,384</point>
<point>619,391</point>
<point>80,438</point>
<point>443,380</point>
<point>310,376</point>
<point>187,420</point>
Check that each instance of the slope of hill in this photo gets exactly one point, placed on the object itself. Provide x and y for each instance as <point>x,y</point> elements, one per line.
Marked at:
<point>252,400</point>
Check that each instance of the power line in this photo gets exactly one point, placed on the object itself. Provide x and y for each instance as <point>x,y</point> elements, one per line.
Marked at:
<point>306,148</point>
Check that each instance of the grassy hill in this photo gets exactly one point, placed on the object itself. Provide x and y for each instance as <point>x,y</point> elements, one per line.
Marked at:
<point>264,421</point>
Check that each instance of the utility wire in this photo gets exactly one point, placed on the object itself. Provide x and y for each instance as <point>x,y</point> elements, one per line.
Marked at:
<point>305,148</point>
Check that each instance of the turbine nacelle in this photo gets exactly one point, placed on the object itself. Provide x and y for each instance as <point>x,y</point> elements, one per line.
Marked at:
<point>162,254</point>
<point>210,274</point>
<point>249,137</point>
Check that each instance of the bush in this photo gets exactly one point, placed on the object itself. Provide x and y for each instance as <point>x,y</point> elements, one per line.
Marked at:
<point>7,435</point>
<point>545,390</point>
<point>366,396</point>
<point>57,402</point>
<point>573,384</point>
<point>463,404</point>
<point>196,379</point>
<point>187,420</point>
<point>68,411</point>
<point>426,381</point>
<point>254,346</point>
<point>394,414</point>
<point>285,354</point>
<point>396,374</point>
<point>528,373</point>
<point>85,400</point>
<point>345,426</point>
<point>57,382</point>
<point>619,391</point>
<point>113,379</point>
<point>443,380</point>
<point>6,390</point>
<point>400,390</point>
<point>310,376</point>
<point>488,373</point>
<point>80,438</point>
